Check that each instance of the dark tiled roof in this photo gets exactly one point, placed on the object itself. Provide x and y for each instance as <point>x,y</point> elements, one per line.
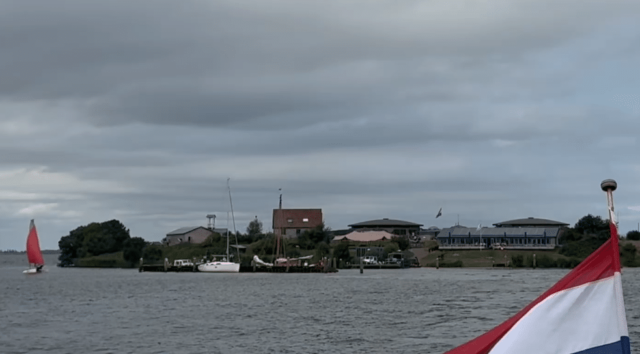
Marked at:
<point>294,218</point>
<point>385,223</point>
<point>183,230</point>
<point>530,221</point>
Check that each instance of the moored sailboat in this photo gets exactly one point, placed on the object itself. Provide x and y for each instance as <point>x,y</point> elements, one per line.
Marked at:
<point>224,266</point>
<point>34,254</point>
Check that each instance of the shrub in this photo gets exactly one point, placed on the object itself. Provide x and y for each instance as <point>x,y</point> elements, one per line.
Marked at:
<point>567,262</point>
<point>545,261</point>
<point>633,235</point>
<point>628,255</point>
<point>517,261</point>
<point>581,249</point>
<point>456,264</point>
<point>322,249</point>
<point>390,248</point>
<point>402,242</point>
<point>341,251</point>
<point>133,249</point>
<point>152,253</point>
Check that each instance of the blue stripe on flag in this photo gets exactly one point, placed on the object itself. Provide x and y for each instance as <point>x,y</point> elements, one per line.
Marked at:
<point>621,347</point>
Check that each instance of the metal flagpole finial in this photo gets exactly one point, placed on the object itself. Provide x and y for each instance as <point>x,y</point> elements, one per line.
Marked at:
<point>608,185</point>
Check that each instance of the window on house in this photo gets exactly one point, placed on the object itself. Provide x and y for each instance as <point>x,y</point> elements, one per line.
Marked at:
<point>298,232</point>
<point>305,220</point>
<point>289,220</point>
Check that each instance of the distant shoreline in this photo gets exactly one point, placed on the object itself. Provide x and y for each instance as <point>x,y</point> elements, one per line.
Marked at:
<point>23,252</point>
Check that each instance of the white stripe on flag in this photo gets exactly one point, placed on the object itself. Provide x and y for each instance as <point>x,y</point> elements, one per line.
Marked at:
<point>568,321</point>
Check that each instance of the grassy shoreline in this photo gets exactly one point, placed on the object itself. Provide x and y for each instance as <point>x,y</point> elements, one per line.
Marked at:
<point>513,258</point>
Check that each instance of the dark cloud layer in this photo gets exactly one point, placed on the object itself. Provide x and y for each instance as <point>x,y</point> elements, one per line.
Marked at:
<point>141,110</point>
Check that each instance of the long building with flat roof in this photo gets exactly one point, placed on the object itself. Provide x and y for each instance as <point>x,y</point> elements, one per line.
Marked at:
<point>396,227</point>
<point>528,233</point>
<point>499,238</point>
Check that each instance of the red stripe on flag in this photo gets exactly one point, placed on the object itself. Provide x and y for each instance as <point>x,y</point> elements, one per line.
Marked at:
<point>602,263</point>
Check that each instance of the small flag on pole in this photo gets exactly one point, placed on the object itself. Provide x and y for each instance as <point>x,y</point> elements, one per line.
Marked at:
<point>439,213</point>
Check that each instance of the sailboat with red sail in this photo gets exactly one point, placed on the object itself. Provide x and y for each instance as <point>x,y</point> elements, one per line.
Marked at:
<point>34,254</point>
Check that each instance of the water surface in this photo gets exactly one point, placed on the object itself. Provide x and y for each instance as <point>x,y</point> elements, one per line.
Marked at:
<point>69,310</point>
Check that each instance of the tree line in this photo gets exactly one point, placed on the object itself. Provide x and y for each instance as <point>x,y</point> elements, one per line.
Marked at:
<point>112,236</point>
<point>96,239</point>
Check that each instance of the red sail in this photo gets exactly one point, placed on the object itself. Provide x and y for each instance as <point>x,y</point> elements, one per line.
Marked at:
<point>33,246</point>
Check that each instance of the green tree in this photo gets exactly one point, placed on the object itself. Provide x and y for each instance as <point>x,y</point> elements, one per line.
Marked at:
<point>117,233</point>
<point>265,245</point>
<point>592,225</point>
<point>569,235</point>
<point>322,250</point>
<point>92,240</point>
<point>152,253</point>
<point>390,248</point>
<point>341,251</point>
<point>68,250</point>
<point>402,241</point>
<point>633,235</point>
<point>212,240</point>
<point>132,249</point>
<point>304,241</point>
<point>319,234</point>
<point>97,241</point>
<point>254,229</point>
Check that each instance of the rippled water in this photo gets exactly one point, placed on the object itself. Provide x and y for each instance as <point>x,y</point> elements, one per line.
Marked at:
<point>381,311</point>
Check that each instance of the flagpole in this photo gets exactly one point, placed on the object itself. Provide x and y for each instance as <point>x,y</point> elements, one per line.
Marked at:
<point>609,185</point>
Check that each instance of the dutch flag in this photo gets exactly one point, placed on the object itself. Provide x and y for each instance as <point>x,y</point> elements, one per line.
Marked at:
<point>581,314</point>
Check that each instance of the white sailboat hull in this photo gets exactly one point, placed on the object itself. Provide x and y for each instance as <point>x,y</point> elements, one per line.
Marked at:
<point>219,267</point>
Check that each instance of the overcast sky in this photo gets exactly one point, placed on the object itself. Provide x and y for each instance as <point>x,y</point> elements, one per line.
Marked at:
<point>141,110</point>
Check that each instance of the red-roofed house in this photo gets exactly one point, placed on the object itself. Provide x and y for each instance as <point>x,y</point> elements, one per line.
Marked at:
<point>293,222</point>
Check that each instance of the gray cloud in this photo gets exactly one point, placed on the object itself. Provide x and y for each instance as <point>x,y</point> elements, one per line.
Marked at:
<point>141,110</point>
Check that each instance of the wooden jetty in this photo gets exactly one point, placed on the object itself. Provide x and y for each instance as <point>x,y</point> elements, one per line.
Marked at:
<point>167,267</point>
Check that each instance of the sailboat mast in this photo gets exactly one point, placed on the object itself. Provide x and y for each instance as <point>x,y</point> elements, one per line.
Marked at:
<point>233,218</point>
<point>227,236</point>
<point>280,239</point>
